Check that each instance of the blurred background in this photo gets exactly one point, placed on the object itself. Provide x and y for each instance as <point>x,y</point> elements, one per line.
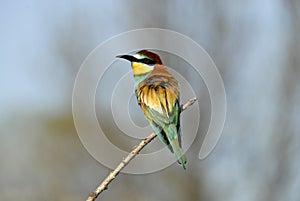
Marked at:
<point>256,47</point>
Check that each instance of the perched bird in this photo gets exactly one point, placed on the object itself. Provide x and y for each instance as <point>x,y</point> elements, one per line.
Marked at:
<point>158,96</point>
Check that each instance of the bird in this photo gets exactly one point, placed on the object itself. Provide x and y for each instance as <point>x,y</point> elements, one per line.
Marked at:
<point>157,93</point>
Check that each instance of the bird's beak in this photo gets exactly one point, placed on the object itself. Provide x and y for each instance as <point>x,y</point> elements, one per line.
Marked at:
<point>127,57</point>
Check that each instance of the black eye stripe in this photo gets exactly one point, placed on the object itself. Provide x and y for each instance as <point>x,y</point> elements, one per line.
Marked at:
<point>147,61</point>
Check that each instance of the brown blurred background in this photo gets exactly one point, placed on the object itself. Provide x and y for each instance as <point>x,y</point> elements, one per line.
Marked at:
<point>255,45</point>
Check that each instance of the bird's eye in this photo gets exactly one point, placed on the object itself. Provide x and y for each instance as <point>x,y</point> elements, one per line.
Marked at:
<point>148,61</point>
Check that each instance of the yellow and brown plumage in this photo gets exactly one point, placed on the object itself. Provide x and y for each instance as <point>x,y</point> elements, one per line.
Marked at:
<point>157,93</point>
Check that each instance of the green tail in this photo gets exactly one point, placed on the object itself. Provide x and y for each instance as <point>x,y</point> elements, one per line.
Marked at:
<point>171,132</point>
<point>178,153</point>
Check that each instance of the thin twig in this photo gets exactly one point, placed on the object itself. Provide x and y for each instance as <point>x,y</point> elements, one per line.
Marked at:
<point>112,175</point>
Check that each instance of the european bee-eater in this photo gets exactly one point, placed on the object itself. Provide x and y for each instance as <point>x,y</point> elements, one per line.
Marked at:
<point>158,96</point>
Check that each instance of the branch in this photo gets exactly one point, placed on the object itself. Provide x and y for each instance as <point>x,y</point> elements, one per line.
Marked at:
<point>112,175</point>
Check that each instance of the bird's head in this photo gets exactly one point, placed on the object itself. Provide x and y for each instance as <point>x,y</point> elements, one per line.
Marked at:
<point>142,62</point>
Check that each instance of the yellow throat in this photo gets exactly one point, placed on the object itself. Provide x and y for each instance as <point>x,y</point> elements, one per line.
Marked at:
<point>140,68</point>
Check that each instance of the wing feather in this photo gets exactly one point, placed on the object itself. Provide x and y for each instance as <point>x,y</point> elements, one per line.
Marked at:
<point>158,96</point>
<point>160,104</point>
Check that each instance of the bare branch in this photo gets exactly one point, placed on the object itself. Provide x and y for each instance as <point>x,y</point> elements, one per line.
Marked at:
<point>112,175</point>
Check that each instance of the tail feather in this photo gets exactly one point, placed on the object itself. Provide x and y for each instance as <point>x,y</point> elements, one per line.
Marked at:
<point>173,138</point>
<point>182,161</point>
